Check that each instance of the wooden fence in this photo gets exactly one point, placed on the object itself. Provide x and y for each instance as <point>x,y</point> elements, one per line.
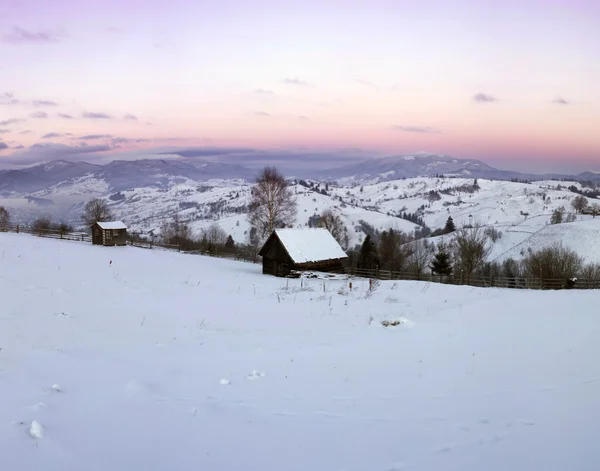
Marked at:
<point>479,281</point>
<point>247,256</point>
<point>50,233</point>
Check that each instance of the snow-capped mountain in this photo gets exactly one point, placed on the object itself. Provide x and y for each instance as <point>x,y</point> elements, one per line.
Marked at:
<point>423,164</point>
<point>378,194</point>
<point>119,174</point>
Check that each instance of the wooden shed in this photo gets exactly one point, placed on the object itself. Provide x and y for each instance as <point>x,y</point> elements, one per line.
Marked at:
<point>109,233</point>
<point>287,250</point>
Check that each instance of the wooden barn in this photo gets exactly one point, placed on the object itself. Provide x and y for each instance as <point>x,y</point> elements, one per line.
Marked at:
<point>288,250</point>
<point>109,233</point>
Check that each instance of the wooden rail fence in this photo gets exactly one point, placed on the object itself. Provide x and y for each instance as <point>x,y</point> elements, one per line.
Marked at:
<point>243,255</point>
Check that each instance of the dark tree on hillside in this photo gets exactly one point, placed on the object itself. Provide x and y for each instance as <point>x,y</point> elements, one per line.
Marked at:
<point>580,203</point>
<point>394,250</point>
<point>230,243</point>
<point>368,258</point>
<point>4,218</point>
<point>441,263</point>
<point>449,227</point>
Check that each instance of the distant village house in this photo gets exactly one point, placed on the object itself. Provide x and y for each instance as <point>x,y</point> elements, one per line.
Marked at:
<point>109,233</point>
<point>288,250</point>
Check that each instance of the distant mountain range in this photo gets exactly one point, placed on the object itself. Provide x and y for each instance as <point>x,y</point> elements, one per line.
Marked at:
<point>123,175</point>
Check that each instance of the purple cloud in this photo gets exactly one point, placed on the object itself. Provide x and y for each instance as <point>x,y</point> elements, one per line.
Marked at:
<point>125,140</point>
<point>262,113</point>
<point>366,83</point>
<point>561,101</point>
<point>39,115</point>
<point>3,145</point>
<point>65,116</point>
<point>130,117</point>
<point>4,131</point>
<point>418,129</point>
<point>8,99</point>
<point>46,152</point>
<point>40,103</point>
<point>10,121</point>
<point>295,81</point>
<point>25,132</point>
<point>22,36</point>
<point>262,91</point>
<point>484,98</point>
<point>87,115</point>
<point>91,137</point>
<point>52,135</point>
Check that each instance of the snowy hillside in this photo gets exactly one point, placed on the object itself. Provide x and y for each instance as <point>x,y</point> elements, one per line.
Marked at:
<point>519,210</point>
<point>161,360</point>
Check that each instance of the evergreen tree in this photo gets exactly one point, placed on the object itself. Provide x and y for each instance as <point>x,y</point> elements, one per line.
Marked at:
<point>368,258</point>
<point>449,227</point>
<point>229,243</point>
<point>441,262</point>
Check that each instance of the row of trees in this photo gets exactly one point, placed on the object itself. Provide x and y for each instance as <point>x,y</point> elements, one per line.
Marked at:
<point>41,224</point>
<point>401,252</point>
<point>465,257</point>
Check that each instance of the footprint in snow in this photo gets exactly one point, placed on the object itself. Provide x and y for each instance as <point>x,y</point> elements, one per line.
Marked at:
<point>255,375</point>
<point>36,430</point>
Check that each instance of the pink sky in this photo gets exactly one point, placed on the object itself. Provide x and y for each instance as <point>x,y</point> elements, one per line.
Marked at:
<point>384,76</point>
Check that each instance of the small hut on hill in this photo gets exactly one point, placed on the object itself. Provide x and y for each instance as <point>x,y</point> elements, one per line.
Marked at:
<point>287,250</point>
<point>109,233</point>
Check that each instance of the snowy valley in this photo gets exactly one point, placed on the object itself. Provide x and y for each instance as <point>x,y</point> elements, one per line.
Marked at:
<point>521,211</point>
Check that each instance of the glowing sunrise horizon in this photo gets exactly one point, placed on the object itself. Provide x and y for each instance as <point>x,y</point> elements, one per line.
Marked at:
<point>504,82</point>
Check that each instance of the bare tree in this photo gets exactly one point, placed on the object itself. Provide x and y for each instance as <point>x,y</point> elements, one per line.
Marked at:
<point>579,203</point>
<point>420,257</point>
<point>471,248</point>
<point>42,224</point>
<point>214,237</point>
<point>96,210</point>
<point>4,218</point>
<point>554,262</point>
<point>273,204</point>
<point>176,231</point>
<point>595,209</point>
<point>334,224</point>
<point>591,272</point>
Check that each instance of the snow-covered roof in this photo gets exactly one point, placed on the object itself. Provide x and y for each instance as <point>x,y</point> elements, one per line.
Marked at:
<point>310,245</point>
<point>112,225</point>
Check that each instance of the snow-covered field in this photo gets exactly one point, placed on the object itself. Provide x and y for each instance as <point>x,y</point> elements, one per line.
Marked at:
<point>165,361</point>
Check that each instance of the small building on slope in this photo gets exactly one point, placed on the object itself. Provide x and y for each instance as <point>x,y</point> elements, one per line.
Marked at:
<point>287,250</point>
<point>109,233</point>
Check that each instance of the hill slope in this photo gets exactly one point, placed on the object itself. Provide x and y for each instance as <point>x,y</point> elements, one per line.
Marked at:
<point>168,361</point>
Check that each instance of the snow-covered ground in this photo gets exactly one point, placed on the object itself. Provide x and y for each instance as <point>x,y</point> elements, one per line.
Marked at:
<point>161,360</point>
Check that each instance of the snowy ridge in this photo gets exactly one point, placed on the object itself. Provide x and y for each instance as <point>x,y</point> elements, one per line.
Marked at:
<point>518,210</point>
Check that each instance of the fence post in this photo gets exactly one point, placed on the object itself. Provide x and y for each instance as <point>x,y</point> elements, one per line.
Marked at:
<point>17,228</point>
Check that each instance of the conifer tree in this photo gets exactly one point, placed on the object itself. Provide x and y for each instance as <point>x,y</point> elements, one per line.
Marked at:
<point>368,258</point>
<point>441,264</point>
<point>449,227</point>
